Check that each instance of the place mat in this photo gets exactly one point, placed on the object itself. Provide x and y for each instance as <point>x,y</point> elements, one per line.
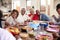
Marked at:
<point>54,26</point>
<point>47,37</point>
<point>52,30</point>
<point>24,35</point>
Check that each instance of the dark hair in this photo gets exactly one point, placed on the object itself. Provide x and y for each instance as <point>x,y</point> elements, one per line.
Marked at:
<point>1,14</point>
<point>58,6</point>
<point>14,10</point>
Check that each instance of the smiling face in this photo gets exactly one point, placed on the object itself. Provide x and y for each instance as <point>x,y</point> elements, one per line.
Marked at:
<point>23,11</point>
<point>14,15</point>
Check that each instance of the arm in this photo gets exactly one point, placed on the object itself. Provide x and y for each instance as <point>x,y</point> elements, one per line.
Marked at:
<point>2,19</point>
<point>55,18</point>
<point>7,22</point>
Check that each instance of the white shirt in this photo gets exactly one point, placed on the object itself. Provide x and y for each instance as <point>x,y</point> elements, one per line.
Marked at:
<point>11,21</point>
<point>5,35</point>
<point>22,18</point>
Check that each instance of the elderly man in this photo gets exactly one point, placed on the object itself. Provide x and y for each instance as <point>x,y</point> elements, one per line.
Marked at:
<point>22,16</point>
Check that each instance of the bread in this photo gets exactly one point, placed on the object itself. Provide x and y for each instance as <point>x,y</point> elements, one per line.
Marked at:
<point>24,35</point>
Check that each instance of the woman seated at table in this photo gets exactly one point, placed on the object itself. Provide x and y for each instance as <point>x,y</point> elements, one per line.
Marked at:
<point>11,20</point>
<point>12,25</point>
<point>57,19</point>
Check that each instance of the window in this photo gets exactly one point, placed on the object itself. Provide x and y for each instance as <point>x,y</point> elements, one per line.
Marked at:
<point>43,2</point>
<point>28,2</point>
<point>16,4</point>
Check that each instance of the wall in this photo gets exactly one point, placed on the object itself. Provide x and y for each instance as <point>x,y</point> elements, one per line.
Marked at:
<point>36,4</point>
<point>23,3</point>
<point>53,7</point>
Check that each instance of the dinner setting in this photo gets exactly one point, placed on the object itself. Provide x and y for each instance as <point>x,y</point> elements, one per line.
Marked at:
<point>29,19</point>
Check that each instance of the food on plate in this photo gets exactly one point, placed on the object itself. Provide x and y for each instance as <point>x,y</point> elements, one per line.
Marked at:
<point>13,30</point>
<point>24,35</point>
<point>43,37</point>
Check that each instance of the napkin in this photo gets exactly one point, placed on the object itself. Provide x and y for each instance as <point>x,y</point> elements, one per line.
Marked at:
<point>33,25</point>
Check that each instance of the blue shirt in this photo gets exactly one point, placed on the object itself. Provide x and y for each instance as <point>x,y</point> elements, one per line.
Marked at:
<point>44,17</point>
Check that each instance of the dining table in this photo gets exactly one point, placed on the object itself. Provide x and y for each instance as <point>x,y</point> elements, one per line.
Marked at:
<point>28,32</point>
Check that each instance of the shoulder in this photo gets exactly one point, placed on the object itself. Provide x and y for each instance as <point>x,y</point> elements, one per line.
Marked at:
<point>4,34</point>
<point>9,18</point>
<point>43,14</point>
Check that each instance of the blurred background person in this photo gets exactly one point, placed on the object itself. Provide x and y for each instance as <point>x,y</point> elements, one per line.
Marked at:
<point>31,14</point>
<point>36,16</point>
<point>11,20</point>
<point>22,16</point>
<point>44,17</point>
<point>57,19</point>
<point>12,24</point>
